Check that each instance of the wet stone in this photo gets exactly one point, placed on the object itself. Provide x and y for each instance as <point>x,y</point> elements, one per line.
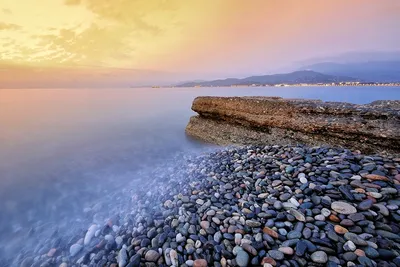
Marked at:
<point>319,257</point>
<point>294,235</point>
<point>200,263</point>
<point>364,261</point>
<point>343,207</point>
<point>371,252</point>
<point>242,258</point>
<point>276,254</point>
<point>349,256</point>
<point>355,239</point>
<point>386,254</point>
<point>301,248</point>
<point>356,217</point>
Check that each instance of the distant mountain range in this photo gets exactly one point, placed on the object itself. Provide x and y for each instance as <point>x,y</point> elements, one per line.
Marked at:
<point>302,76</point>
<point>372,71</point>
<point>362,66</point>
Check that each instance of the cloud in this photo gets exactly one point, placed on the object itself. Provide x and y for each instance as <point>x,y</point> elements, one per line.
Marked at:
<point>9,26</point>
<point>95,44</point>
<point>117,33</point>
<point>6,11</point>
<point>72,2</point>
<point>143,15</point>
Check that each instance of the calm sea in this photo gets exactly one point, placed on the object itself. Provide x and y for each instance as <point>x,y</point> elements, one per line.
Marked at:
<point>64,150</point>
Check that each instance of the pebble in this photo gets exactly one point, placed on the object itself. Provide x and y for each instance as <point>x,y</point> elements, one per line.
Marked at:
<point>343,207</point>
<point>349,246</point>
<point>349,256</point>
<point>254,224</point>
<point>249,249</point>
<point>242,258</point>
<point>298,215</point>
<point>340,230</point>
<point>303,180</point>
<point>74,249</point>
<point>122,257</point>
<point>276,254</point>
<point>355,239</point>
<point>200,263</point>
<point>325,212</point>
<point>286,250</point>
<point>27,262</point>
<point>370,252</point>
<point>319,257</point>
<point>365,204</point>
<point>90,234</point>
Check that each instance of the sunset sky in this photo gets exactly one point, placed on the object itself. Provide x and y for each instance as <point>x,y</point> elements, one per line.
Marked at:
<point>122,42</point>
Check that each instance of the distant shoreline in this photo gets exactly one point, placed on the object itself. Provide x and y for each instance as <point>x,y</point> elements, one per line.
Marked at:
<point>287,85</point>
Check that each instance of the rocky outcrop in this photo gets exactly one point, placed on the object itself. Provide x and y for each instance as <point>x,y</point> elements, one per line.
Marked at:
<point>373,127</point>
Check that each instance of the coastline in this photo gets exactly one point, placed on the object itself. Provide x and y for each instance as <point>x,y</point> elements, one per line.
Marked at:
<point>254,205</point>
<point>289,85</point>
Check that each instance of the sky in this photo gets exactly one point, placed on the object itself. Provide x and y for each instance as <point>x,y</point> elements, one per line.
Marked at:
<point>60,43</point>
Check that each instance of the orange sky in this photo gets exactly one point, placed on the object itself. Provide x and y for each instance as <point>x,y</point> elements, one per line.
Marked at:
<point>66,42</point>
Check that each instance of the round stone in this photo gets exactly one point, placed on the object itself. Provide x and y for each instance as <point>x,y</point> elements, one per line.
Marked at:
<point>199,201</point>
<point>210,212</point>
<point>276,254</point>
<point>200,263</point>
<point>74,249</point>
<point>205,224</point>
<point>152,256</point>
<point>325,212</point>
<point>349,256</point>
<point>370,252</point>
<point>343,207</point>
<point>359,252</point>
<point>365,204</point>
<point>298,215</point>
<point>374,194</point>
<point>340,229</point>
<point>349,246</point>
<point>242,258</point>
<point>286,250</point>
<point>253,224</point>
<point>27,262</point>
<point>319,257</point>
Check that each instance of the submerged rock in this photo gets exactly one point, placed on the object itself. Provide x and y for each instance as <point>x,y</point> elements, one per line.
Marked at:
<point>74,249</point>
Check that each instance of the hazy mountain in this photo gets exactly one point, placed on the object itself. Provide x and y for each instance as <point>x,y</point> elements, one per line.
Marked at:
<point>304,76</point>
<point>353,57</point>
<point>374,71</point>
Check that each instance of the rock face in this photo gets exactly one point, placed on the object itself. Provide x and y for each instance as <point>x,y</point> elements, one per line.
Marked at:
<point>373,127</point>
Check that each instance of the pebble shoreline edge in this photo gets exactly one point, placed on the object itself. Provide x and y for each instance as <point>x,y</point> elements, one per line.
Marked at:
<point>253,206</point>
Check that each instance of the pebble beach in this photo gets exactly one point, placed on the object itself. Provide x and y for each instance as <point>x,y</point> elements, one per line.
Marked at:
<point>251,206</point>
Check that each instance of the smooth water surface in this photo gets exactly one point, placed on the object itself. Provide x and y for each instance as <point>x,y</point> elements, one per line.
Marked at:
<point>63,150</point>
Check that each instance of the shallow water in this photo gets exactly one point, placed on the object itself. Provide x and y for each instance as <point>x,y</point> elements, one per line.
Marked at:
<point>63,151</point>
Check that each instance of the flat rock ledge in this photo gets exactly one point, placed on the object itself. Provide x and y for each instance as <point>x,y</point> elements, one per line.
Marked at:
<point>370,128</point>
